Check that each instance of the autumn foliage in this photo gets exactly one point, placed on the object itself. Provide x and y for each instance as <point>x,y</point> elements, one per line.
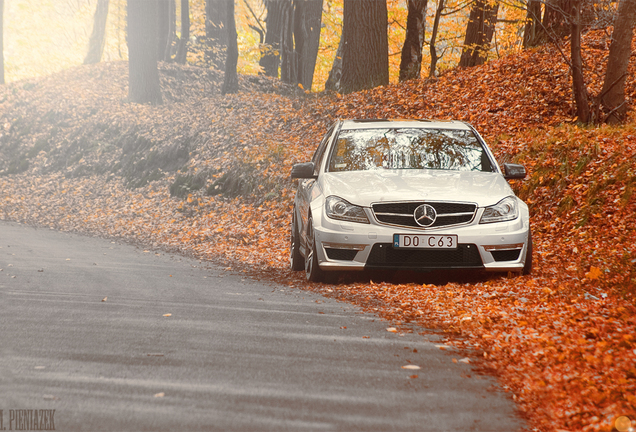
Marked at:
<point>208,176</point>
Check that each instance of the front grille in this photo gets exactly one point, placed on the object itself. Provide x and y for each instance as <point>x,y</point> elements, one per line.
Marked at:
<point>341,254</point>
<point>506,255</point>
<point>384,255</point>
<point>401,213</point>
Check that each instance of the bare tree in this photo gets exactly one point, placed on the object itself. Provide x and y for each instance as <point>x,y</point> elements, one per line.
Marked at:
<point>143,76</point>
<point>579,88</point>
<point>479,32</point>
<point>230,82</point>
<point>1,42</point>
<point>215,32</point>
<point>365,53</point>
<point>96,41</point>
<point>532,28</point>
<point>292,39</point>
<point>182,47</point>
<point>556,23</point>
<point>411,60</point>
<point>307,22</point>
<point>433,49</point>
<point>613,93</point>
<point>166,33</point>
<point>335,73</point>
<point>270,54</point>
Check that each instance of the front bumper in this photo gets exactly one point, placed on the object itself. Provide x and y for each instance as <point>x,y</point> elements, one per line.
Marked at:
<point>353,246</point>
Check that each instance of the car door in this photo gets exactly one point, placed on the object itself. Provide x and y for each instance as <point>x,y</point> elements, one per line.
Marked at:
<point>305,187</point>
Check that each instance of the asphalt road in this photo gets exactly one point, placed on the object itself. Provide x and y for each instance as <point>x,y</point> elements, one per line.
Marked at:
<point>234,355</point>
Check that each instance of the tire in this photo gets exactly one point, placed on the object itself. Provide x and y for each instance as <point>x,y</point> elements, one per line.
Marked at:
<point>296,262</point>
<point>527,268</point>
<point>312,269</point>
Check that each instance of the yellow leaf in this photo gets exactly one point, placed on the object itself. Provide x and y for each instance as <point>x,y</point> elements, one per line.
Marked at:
<point>413,367</point>
<point>167,315</point>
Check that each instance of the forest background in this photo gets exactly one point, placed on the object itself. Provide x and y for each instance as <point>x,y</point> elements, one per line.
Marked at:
<point>207,174</point>
<point>42,37</point>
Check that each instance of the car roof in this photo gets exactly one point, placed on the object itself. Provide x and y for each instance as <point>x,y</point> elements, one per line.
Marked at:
<point>397,123</point>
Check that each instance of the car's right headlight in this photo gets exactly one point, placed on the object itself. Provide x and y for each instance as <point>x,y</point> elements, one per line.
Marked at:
<point>338,208</point>
<point>505,210</point>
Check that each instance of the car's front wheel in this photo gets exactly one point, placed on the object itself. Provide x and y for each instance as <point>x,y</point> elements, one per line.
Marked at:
<point>527,268</point>
<point>296,262</point>
<point>312,269</point>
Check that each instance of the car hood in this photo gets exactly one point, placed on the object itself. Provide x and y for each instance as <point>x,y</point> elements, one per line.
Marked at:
<point>366,187</point>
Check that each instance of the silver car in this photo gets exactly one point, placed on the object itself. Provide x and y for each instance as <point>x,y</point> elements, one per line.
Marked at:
<point>407,194</point>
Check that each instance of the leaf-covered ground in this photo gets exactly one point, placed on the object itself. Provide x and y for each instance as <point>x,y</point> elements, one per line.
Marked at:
<point>208,176</point>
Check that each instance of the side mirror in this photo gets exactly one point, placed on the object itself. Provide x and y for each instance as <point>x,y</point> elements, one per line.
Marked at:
<point>303,171</point>
<point>514,171</point>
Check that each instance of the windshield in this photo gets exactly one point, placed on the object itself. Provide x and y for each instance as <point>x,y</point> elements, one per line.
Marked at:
<point>442,149</point>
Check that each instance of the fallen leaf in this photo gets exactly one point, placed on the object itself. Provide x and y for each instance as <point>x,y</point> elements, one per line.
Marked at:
<point>160,395</point>
<point>414,367</point>
<point>167,315</point>
<point>594,273</point>
<point>392,329</point>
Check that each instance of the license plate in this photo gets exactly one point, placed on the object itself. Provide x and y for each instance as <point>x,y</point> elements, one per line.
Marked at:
<point>424,241</point>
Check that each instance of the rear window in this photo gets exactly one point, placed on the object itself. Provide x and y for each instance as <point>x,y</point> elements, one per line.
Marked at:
<point>390,148</point>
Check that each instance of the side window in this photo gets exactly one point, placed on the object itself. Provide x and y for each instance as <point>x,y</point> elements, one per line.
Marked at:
<point>320,151</point>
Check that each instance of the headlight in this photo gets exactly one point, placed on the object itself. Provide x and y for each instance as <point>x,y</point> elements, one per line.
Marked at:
<point>504,210</point>
<point>337,208</point>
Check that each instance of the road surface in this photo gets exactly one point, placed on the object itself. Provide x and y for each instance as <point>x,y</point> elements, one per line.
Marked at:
<point>116,338</point>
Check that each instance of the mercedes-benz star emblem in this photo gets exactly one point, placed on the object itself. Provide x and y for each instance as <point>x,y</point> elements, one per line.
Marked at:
<point>425,215</point>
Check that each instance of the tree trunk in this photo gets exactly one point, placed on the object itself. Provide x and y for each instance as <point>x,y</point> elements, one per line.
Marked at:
<point>1,42</point>
<point>96,41</point>
<point>288,71</point>
<point>182,48</point>
<point>230,83</point>
<point>433,50</point>
<point>365,54</point>
<point>411,61</point>
<point>307,39</point>
<point>270,56</point>
<point>479,32</point>
<point>143,76</point>
<point>613,93</point>
<point>166,28</point>
<point>333,80</point>
<point>215,33</point>
<point>533,24</point>
<point>293,26</point>
<point>578,82</point>
<point>556,18</point>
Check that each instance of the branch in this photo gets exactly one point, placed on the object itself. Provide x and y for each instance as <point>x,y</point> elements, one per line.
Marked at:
<point>611,113</point>
<point>255,17</point>
<point>612,86</point>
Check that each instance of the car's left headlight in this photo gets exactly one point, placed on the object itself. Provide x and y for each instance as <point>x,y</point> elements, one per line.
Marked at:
<point>338,208</point>
<point>505,210</point>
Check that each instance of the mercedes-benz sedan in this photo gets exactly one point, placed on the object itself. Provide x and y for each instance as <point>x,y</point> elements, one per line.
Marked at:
<point>412,194</point>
